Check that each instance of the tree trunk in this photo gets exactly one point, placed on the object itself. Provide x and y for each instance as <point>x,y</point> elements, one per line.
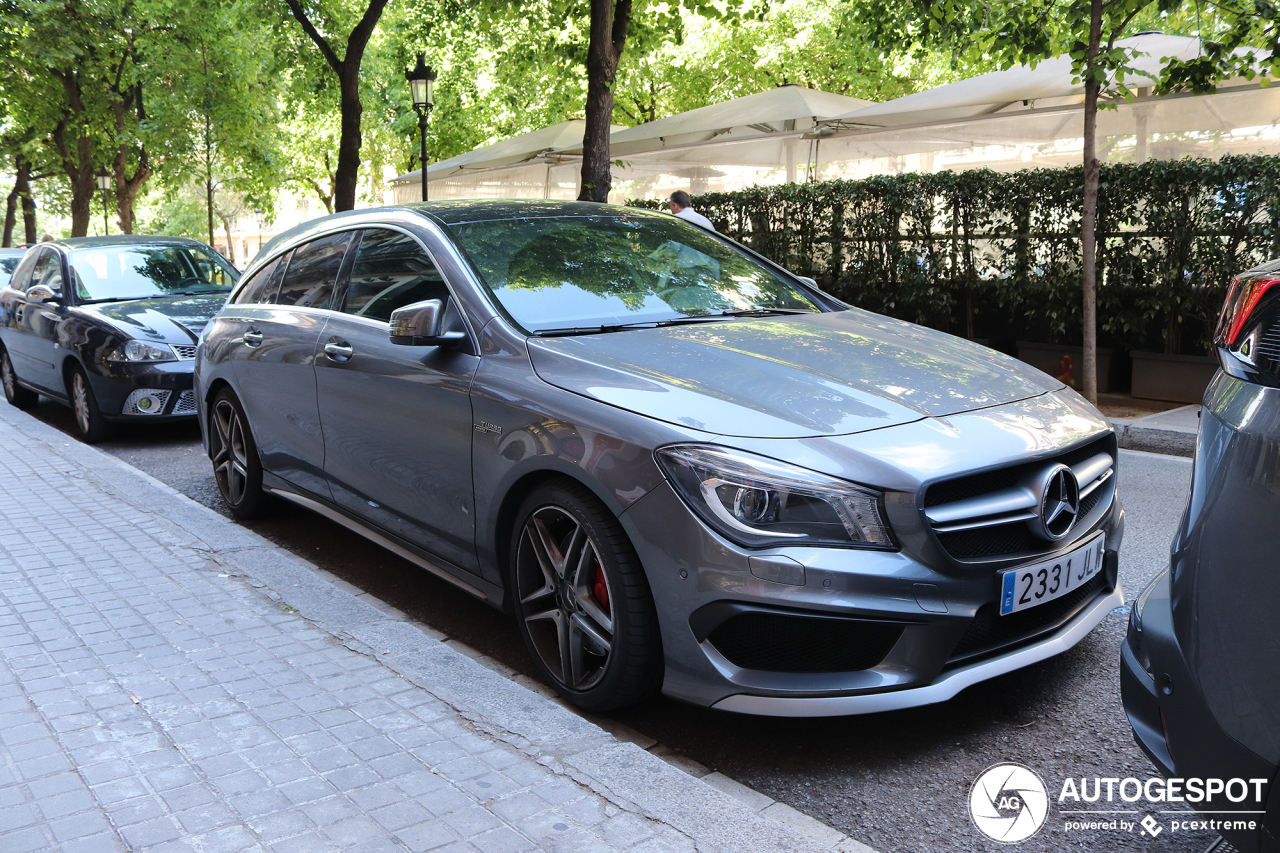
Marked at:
<point>126,186</point>
<point>21,192</point>
<point>231,245</point>
<point>29,218</point>
<point>609,23</point>
<point>1089,215</point>
<point>78,166</point>
<point>347,175</point>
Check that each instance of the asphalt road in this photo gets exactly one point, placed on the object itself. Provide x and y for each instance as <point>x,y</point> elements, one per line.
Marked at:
<point>896,781</point>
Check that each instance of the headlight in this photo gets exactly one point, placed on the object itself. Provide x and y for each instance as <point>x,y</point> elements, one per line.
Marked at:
<point>758,502</point>
<point>139,351</point>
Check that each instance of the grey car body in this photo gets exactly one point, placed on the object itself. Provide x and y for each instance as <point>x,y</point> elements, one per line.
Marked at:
<point>1199,667</point>
<point>50,332</point>
<point>432,450</point>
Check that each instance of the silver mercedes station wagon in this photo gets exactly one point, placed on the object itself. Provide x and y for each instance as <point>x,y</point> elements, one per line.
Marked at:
<point>678,466</point>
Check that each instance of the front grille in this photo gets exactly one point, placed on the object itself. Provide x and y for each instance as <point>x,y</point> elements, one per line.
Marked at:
<point>186,404</point>
<point>989,514</point>
<point>992,632</point>
<point>185,351</point>
<point>779,642</point>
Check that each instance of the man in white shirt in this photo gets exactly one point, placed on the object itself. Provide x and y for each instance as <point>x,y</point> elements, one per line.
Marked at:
<point>681,205</point>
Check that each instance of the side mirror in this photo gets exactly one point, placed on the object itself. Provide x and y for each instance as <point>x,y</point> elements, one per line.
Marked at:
<point>42,293</point>
<point>422,325</point>
<point>811,282</point>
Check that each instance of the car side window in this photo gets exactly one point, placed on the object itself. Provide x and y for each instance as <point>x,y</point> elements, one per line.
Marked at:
<point>21,279</point>
<point>48,272</point>
<point>313,271</point>
<point>262,288</point>
<point>391,271</point>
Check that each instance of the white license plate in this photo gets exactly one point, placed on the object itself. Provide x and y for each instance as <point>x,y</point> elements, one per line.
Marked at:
<point>1028,586</point>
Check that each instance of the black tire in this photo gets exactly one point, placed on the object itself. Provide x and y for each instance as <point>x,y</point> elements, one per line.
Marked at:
<point>18,397</point>
<point>90,423</point>
<point>582,604</point>
<point>236,465</point>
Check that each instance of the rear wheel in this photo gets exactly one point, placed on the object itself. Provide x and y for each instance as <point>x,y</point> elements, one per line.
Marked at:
<point>90,423</point>
<point>581,600</point>
<point>236,466</point>
<point>18,397</point>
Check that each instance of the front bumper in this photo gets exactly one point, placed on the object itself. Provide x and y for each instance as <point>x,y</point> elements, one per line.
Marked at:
<point>1173,725</point>
<point>919,614</point>
<point>116,386</point>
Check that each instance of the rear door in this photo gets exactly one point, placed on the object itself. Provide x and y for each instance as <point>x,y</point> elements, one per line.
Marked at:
<point>273,362</point>
<point>397,419</point>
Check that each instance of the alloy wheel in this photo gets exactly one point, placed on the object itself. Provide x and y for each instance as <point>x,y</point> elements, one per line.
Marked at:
<point>231,458</point>
<point>7,375</point>
<point>80,403</point>
<point>565,597</point>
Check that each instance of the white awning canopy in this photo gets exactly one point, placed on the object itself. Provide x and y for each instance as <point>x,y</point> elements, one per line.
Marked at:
<point>524,148</point>
<point>1049,84</point>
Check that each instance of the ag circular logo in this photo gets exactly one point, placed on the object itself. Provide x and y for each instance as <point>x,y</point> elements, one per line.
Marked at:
<point>1008,803</point>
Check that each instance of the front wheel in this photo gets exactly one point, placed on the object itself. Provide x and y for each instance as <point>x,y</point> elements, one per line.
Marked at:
<point>581,600</point>
<point>18,397</point>
<point>236,466</point>
<point>90,423</point>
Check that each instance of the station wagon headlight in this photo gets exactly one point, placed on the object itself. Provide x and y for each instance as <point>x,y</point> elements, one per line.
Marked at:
<point>758,502</point>
<point>140,351</point>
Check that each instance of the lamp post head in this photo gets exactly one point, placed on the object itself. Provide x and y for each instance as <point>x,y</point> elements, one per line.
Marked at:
<point>104,179</point>
<point>422,79</point>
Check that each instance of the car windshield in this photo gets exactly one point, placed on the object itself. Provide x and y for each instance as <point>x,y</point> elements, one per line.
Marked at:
<point>8,263</point>
<point>138,271</point>
<point>591,271</point>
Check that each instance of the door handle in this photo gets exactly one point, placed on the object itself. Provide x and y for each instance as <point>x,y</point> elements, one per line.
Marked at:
<point>252,337</point>
<point>339,350</point>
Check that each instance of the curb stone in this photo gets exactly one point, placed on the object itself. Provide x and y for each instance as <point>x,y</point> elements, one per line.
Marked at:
<point>624,767</point>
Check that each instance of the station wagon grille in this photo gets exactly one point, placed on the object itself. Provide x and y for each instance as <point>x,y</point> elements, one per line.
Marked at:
<point>185,352</point>
<point>984,516</point>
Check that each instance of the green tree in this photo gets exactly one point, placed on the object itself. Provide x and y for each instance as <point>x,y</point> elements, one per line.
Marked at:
<point>1012,32</point>
<point>358,22</point>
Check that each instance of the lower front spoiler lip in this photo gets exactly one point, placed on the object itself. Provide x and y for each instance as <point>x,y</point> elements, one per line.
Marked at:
<point>947,685</point>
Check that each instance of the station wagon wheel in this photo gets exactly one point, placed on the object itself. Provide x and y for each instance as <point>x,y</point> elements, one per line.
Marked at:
<point>90,423</point>
<point>236,466</point>
<point>18,397</point>
<point>582,604</point>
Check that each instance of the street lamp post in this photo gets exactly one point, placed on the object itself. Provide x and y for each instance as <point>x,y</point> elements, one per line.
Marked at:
<point>104,184</point>
<point>422,80</point>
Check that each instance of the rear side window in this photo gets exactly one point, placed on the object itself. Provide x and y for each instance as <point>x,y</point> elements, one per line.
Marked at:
<point>313,271</point>
<point>262,288</point>
<point>391,271</point>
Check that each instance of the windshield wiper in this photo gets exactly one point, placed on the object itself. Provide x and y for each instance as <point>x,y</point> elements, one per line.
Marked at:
<point>764,312</point>
<point>622,327</point>
<point>111,299</point>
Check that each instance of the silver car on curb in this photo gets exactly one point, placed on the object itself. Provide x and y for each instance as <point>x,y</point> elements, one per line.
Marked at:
<point>679,466</point>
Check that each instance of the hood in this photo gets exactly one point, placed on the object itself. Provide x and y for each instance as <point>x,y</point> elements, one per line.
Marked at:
<point>172,320</point>
<point>791,377</point>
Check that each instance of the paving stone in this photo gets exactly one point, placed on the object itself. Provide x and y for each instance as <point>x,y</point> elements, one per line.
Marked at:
<point>149,702</point>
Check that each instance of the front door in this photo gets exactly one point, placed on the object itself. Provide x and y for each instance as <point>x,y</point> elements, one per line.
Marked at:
<point>36,358</point>
<point>397,419</point>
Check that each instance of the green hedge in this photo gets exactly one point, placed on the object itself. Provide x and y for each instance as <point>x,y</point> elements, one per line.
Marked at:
<point>997,255</point>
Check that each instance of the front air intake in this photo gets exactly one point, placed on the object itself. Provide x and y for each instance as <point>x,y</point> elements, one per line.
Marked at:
<point>784,642</point>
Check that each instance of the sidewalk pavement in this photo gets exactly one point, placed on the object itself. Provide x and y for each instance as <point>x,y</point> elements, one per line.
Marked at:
<point>1172,432</point>
<point>170,681</point>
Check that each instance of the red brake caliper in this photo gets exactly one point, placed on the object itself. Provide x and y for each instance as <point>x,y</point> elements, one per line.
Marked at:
<point>601,591</point>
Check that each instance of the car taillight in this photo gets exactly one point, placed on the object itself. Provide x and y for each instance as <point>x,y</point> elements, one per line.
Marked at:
<point>1248,331</point>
